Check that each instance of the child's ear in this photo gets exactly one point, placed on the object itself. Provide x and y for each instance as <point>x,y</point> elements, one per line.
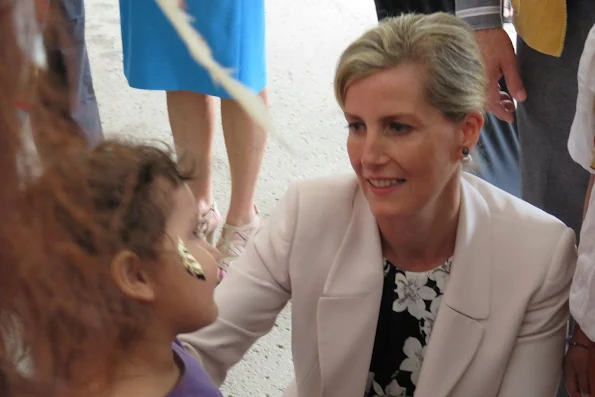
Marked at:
<point>130,276</point>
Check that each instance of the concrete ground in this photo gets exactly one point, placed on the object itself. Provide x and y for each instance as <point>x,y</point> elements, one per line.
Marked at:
<point>305,39</point>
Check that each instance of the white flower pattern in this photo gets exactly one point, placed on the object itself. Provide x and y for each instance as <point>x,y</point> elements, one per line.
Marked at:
<point>411,292</point>
<point>395,390</point>
<point>392,390</point>
<point>428,319</point>
<point>409,308</point>
<point>441,275</point>
<point>415,357</point>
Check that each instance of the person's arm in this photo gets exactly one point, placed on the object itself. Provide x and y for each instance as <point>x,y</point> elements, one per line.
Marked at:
<point>251,295</point>
<point>582,295</point>
<point>535,365</point>
<point>576,362</point>
<point>485,17</point>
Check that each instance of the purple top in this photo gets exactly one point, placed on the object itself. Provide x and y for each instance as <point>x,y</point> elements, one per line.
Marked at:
<point>194,381</point>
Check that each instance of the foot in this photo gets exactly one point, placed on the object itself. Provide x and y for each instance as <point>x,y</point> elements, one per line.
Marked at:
<point>233,241</point>
<point>208,223</point>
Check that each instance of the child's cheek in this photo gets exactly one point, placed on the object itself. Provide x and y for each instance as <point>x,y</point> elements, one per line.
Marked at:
<point>191,263</point>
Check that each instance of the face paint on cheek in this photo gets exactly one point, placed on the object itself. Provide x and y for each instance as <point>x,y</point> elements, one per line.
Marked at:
<point>189,261</point>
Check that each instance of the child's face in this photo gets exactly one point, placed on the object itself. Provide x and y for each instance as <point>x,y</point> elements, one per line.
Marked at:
<point>186,284</point>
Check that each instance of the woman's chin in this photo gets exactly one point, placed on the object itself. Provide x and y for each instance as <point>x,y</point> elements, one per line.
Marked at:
<point>390,210</point>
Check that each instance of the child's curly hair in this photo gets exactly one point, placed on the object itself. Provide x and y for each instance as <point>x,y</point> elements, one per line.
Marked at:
<point>111,198</point>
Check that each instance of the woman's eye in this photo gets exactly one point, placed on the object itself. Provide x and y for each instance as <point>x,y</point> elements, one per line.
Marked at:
<point>355,127</point>
<point>400,128</point>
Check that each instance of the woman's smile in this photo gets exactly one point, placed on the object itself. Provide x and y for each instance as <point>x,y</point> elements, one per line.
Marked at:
<point>381,187</point>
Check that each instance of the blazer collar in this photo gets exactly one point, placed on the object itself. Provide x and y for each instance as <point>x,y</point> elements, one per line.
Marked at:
<point>358,265</point>
<point>347,314</point>
<point>357,268</point>
<point>469,285</point>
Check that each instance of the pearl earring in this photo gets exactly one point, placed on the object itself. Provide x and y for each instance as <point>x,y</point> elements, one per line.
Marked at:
<point>466,156</point>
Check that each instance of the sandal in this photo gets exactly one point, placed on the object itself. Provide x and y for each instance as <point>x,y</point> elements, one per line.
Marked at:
<point>233,242</point>
<point>208,224</point>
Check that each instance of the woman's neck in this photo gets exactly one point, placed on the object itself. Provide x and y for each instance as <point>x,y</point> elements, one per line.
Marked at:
<point>426,240</point>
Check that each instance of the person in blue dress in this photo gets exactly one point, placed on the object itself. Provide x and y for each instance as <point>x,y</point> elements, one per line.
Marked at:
<point>155,58</point>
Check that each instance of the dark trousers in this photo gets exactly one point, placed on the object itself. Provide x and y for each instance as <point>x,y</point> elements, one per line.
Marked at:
<point>71,63</point>
<point>552,181</point>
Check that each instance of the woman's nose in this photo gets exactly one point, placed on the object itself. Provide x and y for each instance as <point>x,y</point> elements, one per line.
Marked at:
<point>374,152</point>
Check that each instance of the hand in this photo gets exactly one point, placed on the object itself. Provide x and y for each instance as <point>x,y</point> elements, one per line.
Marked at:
<point>182,4</point>
<point>506,102</point>
<point>576,366</point>
<point>500,60</point>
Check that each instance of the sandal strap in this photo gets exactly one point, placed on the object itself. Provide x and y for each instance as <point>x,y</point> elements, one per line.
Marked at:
<point>208,222</point>
<point>234,240</point>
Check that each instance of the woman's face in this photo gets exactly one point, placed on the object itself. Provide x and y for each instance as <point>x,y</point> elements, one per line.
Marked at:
<point>405,152</point>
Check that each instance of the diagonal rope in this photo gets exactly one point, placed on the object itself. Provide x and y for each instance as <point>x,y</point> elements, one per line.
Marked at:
<point>201,53</point>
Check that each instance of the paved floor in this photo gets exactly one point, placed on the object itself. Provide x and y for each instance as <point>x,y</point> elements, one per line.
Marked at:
<point>305,39</point>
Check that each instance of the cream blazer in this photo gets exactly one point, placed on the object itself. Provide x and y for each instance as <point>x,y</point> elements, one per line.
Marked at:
<point>499,332</point>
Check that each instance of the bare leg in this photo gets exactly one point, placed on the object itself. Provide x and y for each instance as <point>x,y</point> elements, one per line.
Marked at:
<point>192,120</point>
<point>245,143</point>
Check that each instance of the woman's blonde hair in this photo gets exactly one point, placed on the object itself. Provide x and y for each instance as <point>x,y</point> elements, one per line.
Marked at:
<point>440,42</point>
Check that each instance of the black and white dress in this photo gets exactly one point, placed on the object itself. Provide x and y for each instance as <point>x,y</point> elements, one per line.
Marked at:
<point>408,309</point>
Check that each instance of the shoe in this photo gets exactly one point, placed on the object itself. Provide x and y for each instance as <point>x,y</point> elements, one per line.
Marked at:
<point>233,242</point>
<point>208,224</point>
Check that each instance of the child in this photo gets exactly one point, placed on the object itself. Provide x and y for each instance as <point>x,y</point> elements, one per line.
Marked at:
<point>581,145</point>
<point>153,277</point>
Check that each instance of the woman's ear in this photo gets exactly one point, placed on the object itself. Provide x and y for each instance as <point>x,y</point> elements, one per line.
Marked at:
<point>130,276</point>
<point>471,128</point>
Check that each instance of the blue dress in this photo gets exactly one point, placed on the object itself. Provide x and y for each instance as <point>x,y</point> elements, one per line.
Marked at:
<point>156,59</point>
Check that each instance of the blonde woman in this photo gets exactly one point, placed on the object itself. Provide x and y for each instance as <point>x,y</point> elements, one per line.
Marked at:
<point>407,277</point>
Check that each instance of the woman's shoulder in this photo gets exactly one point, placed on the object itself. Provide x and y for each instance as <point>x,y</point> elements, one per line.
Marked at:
<point>504,208</point>
<point>317,207</point>
<point>324,194</point>
<point>335,186</point>
<point>528,245</point>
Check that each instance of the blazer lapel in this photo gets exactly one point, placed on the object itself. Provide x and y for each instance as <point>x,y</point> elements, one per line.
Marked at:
<point>348,313</point>
<point>457,333</point>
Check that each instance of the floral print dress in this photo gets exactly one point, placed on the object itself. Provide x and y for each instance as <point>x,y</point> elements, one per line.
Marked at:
<point>410,303</point>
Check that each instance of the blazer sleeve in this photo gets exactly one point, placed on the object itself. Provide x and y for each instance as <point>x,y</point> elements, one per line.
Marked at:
<point>251,296</point>
<point>535,365</point>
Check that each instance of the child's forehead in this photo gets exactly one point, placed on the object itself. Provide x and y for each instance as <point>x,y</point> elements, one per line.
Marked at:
<point>182,211</point>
